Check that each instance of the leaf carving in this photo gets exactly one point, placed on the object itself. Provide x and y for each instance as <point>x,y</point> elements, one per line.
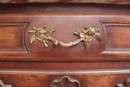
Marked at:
<point>45,36</point>
<point>65,81</point>
<point>32,38</point>
<point>98,37</point>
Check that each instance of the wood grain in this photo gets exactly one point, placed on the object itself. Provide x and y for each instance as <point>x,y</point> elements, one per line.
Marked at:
<point>32,65</point>
<point>12,37</point>
<point>43,78</point>
<point>65,21</point>
<point>65,25</point>
<point>67,1</point>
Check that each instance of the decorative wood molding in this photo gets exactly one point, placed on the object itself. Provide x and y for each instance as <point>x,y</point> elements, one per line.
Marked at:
<point>67,72</point>
<point>3,85</point>
<point>16,34</point>
<point>112,43</point>
<point>65,81</point>
<point>125,84</point>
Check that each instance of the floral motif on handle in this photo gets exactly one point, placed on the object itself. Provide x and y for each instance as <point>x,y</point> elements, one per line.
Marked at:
<point>86,36</point>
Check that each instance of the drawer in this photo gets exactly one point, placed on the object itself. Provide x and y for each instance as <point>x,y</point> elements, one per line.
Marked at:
<point>19,41</point>
<point>92,78</point>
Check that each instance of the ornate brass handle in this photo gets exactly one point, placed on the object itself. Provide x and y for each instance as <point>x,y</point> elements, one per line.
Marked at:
<point>44,36</point>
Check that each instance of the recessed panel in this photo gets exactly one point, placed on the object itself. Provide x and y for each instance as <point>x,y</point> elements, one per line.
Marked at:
<point>12,37</point>
<point>117,37</point>
<point>115,44</point>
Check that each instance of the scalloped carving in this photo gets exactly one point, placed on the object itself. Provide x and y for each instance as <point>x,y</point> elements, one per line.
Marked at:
<point>65,81</point>
<point>125,84</point>
<point>3,85</point>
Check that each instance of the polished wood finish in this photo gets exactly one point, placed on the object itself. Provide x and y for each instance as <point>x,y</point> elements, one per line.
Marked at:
<point>32,65</point>
<point>11,40</point>
<point>113,28</point>
<point>36,78</point>
<point>67,1</point>
<point>60,8</point>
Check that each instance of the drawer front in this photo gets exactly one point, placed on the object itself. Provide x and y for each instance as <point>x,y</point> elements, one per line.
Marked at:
<point>15,39</point>
<point>98,78</point>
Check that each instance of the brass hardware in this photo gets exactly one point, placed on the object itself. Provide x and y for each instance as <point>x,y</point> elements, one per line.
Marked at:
<point>3,85</point>
<point>44,36</point>
<point>65,81</point>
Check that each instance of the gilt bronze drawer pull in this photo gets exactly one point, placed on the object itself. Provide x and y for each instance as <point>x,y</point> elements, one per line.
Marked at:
<point>44,36</point>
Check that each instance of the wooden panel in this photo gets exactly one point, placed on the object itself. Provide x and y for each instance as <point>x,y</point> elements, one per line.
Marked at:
<point>63,65</point>
<point>98,78</point>
<point>62,8</point>
<point>65,19</point>
<point>12,38</point>
<point>117,35</point>
<point>65,26</point>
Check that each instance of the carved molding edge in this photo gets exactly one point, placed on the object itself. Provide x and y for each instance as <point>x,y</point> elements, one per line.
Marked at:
<point>3,85</point>
<point>125,84</point>
<point>65,81</point>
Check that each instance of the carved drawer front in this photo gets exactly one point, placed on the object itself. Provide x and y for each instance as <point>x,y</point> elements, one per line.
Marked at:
<point>93,78</point>
<point>76,37</point>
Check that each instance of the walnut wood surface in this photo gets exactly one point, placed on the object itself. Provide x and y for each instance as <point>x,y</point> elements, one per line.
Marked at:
<point>113,25</point>
<point>67,1</point>
<point>108,78</point>
<point>104,64</point>
<point>62,8</point>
